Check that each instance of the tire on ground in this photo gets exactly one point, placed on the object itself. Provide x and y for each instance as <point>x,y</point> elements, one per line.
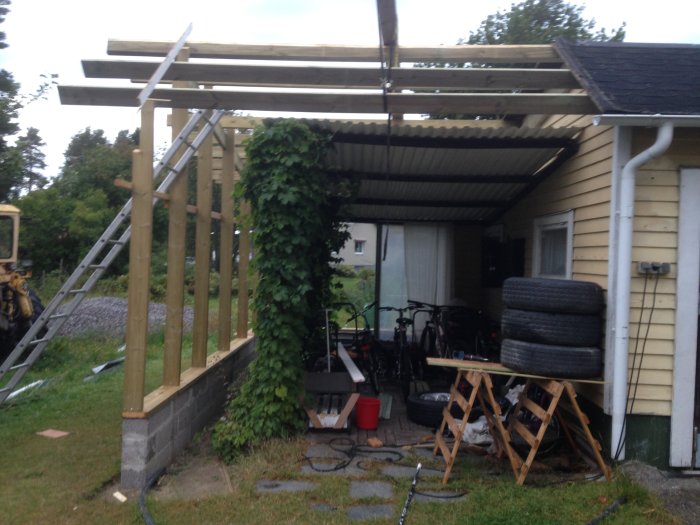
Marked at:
<point>575,362</point>
<point>552,295</point>
<point>551,328</point>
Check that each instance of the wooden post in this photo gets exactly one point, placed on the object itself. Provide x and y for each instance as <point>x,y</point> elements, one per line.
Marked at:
<point>139,266</point>
<point>243,258</point>
<point>200,330</point>
<point>177,232</point>
<point>226,245</point>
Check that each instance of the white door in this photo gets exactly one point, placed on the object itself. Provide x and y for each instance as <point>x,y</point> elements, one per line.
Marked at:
<point>684,411</point>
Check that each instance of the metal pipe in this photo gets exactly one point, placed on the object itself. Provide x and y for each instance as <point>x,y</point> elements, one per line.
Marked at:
<point>623,285</point>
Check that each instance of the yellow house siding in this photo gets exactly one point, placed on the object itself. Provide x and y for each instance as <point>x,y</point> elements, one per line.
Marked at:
<point>583,184</point>
<point>656,240</point>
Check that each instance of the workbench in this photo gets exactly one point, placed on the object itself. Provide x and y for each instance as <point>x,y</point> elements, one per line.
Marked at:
<point>559,401</point>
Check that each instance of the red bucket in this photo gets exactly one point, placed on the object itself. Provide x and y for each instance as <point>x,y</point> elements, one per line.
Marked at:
<point>367,413</point>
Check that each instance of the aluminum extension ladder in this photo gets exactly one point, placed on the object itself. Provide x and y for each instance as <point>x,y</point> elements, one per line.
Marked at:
<point>68,298</point>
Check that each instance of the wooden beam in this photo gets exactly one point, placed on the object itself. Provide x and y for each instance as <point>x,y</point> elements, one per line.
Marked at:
<point>491,54</point>
<point>388,23</point>
<point>226,245</point>
<point>140,266</point>
<point>247,122</point>
<point>378,201</point>
<point>419,103</point>
<point>337,77</point>
<point>175,279</point>
<point>200,323</point>
<point>436,178</point>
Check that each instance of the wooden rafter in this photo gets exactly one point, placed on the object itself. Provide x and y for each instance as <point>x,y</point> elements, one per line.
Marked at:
<point>496,54</point>
<point>336,77</point>
<point>445,103</point>
<point>388,22</point>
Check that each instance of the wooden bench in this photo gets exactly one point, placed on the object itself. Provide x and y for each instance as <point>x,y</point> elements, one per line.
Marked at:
<point>335,394</point>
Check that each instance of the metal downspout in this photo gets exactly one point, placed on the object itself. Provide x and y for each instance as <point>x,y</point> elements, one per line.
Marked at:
<point>623,285</point>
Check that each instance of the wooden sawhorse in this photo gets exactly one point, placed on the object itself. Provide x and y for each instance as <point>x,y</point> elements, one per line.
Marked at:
<point>558,399</point>
<point>336,394</point>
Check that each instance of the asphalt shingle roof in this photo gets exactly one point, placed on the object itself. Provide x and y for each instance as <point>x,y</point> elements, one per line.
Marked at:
<point>623,77</point>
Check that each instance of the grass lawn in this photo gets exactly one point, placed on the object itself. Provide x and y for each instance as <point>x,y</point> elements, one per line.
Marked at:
<point>69,480</point>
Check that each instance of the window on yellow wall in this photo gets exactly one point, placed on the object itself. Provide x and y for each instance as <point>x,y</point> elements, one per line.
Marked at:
<point>553,245</point>
<point>359,247</point>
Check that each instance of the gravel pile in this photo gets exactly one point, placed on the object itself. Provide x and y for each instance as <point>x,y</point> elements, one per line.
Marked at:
<point>107,316</point>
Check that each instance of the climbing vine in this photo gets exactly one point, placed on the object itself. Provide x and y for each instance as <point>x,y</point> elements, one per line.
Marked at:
<point>294,207</point>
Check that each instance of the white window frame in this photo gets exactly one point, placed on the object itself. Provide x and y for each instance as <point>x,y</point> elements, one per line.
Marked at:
<point>552,222</point>
<point>362,250</point>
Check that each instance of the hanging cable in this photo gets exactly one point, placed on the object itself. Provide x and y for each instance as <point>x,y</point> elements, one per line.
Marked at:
<point>632,394</point>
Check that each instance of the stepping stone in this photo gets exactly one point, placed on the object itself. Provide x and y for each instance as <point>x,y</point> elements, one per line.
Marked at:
<point>381,454</point>
<point>323,507</point>
<point>371,489</point>
<point>424,453</point>
<point>267,486</point>
<point>370,512</point>
<point>439,497</point>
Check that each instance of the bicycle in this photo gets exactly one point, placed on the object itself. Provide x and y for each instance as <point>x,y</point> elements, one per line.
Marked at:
<point>455,332</point>
<point>432,340</point>
<point>402,367</point>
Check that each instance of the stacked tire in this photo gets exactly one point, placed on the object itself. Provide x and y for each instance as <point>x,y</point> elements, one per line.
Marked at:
<point>552,327</point>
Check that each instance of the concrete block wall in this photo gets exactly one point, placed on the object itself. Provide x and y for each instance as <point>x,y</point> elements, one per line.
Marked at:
<point>150,444</point>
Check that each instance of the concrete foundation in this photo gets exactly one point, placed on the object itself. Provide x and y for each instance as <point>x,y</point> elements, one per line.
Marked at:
<point>151,443</point>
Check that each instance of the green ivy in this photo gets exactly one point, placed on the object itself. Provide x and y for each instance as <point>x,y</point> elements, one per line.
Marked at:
<point>294,210</point>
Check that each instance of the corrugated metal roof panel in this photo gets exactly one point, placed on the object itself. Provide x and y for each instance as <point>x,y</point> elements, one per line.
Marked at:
<point>416,166</point>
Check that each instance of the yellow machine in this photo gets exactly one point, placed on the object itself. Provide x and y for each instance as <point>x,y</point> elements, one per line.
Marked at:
<point>19,306</point>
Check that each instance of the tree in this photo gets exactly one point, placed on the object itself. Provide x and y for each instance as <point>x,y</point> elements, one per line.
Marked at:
<point>29,148</point>
<point>530,22</point>
<point>540,22</point>
<point>9,106</point>
<point>93,163</point>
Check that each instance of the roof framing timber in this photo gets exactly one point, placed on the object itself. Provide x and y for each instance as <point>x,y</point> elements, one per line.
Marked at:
<point>437,178</point>
<point>445,103</point>
<point>483,54</point>
<point>336,77</point>
<point>388,22</point>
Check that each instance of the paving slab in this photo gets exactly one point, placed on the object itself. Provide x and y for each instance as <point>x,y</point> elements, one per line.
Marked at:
<point>430,496</point>
<point>370,512</point>
<point>323,507</point>
<point>371,489</point>
<point>269,486</point>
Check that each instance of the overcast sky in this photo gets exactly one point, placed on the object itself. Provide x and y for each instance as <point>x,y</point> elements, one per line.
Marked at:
<point>52,37</point>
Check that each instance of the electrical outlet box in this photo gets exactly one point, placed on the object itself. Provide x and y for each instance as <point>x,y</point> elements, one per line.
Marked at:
<point>653,268</point>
